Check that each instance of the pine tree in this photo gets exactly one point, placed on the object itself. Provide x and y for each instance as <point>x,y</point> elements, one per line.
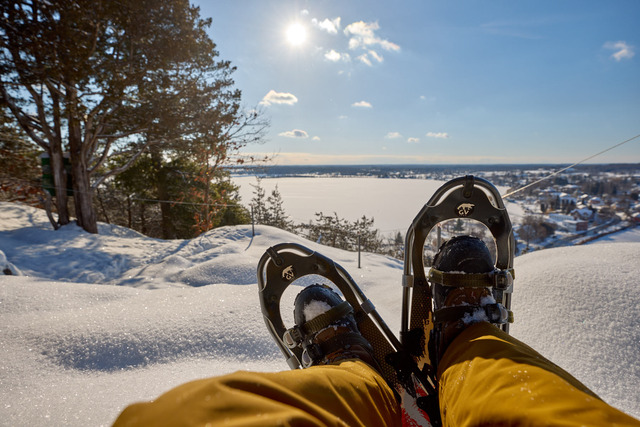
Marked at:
<point>276,214</point>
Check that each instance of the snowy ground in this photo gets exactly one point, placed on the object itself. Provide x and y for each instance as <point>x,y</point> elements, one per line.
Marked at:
<point>96,322</point>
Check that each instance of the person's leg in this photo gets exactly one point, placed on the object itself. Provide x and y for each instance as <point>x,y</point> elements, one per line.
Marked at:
<point>487,377</point>
<point>351,393</point>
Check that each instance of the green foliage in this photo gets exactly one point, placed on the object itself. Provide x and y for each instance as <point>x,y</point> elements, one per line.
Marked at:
<point>176,211</point>
<point>269,210</point>
<point>331,230</point>
<point>20,172</point>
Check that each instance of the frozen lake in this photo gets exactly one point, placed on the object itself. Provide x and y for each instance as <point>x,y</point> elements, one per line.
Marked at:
<point>393,203</point>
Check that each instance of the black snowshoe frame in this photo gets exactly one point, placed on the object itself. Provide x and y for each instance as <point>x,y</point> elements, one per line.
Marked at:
<point>466,197</point>
<point>284,263</point>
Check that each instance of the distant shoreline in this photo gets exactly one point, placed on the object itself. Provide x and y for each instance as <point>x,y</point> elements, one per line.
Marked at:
<point>439,171</point>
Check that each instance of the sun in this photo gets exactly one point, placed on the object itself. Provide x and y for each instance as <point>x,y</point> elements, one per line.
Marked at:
<point>296,34</point>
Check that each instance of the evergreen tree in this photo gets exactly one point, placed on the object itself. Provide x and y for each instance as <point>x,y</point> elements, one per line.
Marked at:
<point>276,214</point>
<point>258,204</point>
<point>20,173</point>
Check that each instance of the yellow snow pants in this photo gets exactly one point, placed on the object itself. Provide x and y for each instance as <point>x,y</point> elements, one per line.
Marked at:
<point>486,378</point>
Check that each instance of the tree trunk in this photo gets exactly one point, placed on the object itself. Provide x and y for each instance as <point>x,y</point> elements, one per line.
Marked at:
<point>59,181</point>
<point>82,192</point>
<point>168,230</point>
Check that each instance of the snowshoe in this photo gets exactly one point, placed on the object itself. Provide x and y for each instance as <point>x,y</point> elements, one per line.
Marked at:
<point>462,270</point>
<point>285,263</point>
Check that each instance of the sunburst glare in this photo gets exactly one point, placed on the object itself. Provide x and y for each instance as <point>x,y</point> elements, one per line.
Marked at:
<point>296,34</point>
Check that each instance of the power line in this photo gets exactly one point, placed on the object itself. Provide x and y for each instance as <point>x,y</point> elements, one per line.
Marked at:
<point>569,167</point>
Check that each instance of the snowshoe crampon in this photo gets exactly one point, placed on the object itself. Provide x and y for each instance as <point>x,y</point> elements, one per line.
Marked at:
<point>465,198</point>
<point>285,263</point>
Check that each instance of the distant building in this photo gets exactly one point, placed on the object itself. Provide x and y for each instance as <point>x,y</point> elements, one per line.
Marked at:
<point>575,226</point>
<point>582,213</point>
<point>596,202</point>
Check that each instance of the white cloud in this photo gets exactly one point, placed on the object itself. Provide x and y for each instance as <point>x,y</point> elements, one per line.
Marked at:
<point>362,104</point>
<point>365,59</point>
<point>316,138</point>
<point>304,12</point>
<point>375,55</point>
<point>274,97</point>
<point>331,26</point>
<point>371,54</point>
<point>622,50</point>
<point>413,140</point>
<point>363,35</point>
<point>442,135</point>
<point>335,56</point>
<point>393,135</point>
<point>295,133</point>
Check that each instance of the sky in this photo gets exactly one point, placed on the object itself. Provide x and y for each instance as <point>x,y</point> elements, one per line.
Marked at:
<point>426,82</point>
<point>91,323</point>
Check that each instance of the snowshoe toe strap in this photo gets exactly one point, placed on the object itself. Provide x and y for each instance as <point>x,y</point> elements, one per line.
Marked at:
<point>493,313</point>
<point>298,334</point>
<point>339,344</point>
<point>499,279</point>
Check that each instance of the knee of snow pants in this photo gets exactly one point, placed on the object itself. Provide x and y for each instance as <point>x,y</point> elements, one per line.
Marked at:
<point>487,377</point>
<point>349,394</point>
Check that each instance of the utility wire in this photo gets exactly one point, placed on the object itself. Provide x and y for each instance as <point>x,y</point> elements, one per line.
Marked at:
<point>569,167</point>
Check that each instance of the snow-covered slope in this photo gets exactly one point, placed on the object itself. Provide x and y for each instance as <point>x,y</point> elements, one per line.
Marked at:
<point>99,321</point>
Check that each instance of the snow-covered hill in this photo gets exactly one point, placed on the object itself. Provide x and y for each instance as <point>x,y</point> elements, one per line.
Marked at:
<point>96,322</point>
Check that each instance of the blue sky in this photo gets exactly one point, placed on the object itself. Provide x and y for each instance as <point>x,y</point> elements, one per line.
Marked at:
<point>447,82</point>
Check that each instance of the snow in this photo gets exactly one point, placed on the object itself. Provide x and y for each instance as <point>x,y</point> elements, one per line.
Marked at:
<point>314,309</point>
<point>96,322</point>
<point>632,235</point>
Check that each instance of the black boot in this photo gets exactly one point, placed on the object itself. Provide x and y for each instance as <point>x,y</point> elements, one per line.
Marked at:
<point>457,305</point>
<point>326,329</point>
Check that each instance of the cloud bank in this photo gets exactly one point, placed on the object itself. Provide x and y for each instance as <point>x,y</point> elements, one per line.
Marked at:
<point>362,104</point>
<point>441,135</point>
<point>622,50</point>
<point>295,133</point>
<point>274,97</point>
<point>331,26</point>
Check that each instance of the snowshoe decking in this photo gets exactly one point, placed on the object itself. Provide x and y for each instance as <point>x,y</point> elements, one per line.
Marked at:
<point>284,263</point>
<point>469,198</point>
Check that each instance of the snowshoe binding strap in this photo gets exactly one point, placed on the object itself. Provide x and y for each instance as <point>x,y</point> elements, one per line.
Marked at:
<point>333,350</point>
<point>296,335</point>
<point>495,313</point>
<point>499,279</point>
